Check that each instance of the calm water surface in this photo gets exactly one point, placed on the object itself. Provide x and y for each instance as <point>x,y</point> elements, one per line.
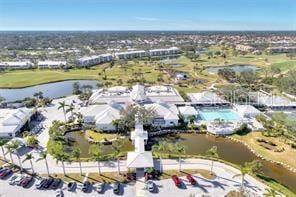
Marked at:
<point>198,144</point>
<point>236,68</point>
<point>51,90</point>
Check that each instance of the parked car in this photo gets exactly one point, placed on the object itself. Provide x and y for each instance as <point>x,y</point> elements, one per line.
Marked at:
<point>85,186</point>
<point>47,183</point>
<point>56,183</point>
<point>71,186</point>
<point>176,180</point>
<point>116,187</point>
<point>191,180</point>
<point>100,187</point>
<point>25,182</point>
<point>59,193</point>
<point>20,182</point>
<point>39,183</point>
<point>14,179</point>
<point>150,186</point>
<point>5,173</point>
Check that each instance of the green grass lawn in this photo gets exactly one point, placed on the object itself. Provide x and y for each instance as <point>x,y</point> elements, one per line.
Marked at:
<point>24,78</point>
<point>96,136</point>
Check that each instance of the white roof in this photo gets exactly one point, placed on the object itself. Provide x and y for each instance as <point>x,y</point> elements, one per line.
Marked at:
<point>94,57</point>
<point>52,63</point>
<point>138,93</point>
<point>206,97</point>
<point>103,114</point>
<point>130,52</point>
<point>11,120</point>
<point>139,159</point>
<point>17,63</point>
<point>159,88</point>
<point>167,111</point>
<point>188,110</point>
<point>117,89</point>
<point>168,49</point>
<point>246,109</point>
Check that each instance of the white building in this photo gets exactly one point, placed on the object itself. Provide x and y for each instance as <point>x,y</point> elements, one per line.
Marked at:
<point>139,158</point>
<point>130,54</point>
<point>206,98</point>
<point>138,94</point>
<point>101,115</point>
<point>94,60</point>
<point>16,65</point>
<point>187,111</point>
<point>246,111</point>
<point>169,51</point>
<point>51,64</point>
<point>13,121</point>
<point>167,114</point>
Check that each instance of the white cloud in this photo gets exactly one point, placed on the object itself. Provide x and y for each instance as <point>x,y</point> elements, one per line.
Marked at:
<point>146,18</point>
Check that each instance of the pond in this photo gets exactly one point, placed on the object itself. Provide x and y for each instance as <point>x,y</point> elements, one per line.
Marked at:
<point>167,59</point>
<point>198,144</point>
<point>51,90</point>
<point>236,68</point>
<point>82,143</point>
<point>228,150</point>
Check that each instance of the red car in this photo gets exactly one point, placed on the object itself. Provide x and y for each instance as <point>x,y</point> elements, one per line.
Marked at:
<point>176,180</point>
<point>5,173</point>
<point>191,180</point>
<point>26,181</point>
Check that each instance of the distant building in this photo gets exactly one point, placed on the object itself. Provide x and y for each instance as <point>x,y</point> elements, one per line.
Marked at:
<point>16,65</point>
<point>138,94</point>
<point>245,48</point>
<point>169,51</point>
<point>14,121</point>
<point>51,64</point>
<point>94,60</point>
<point>281,49</point>
<point>130,54</point>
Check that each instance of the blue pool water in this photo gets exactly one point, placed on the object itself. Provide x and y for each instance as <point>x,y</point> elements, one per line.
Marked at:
<point>227,115</point>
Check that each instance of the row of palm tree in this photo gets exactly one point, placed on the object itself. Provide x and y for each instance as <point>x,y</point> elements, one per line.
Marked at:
<point>98,155</point>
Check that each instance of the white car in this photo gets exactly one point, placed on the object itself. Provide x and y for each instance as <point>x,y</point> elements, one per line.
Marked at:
<point>15,180</point>
<point>150,186</point>
<point>59,193</point>
<point>100,187</point>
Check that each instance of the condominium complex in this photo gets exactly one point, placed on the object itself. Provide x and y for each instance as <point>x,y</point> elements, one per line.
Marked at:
<point>94,60</point>
<point>16,65</point>
<point>130,54</point>
<point>169,51</point>
<point>51,64</point>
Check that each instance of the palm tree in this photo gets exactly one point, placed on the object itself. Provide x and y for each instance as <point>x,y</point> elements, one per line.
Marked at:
<point>12,147</point>
<point>62,157</point>
<point>97,154</point>
<point>71,108</point>
<point>180,150</point>
<point>76,154</point>
<point>271,193</point>
<point>63,105</point>
<point>29,157</point>
<point>43,156</point>
<point>2,143</point>
<point>116,146</point>
<point>245,169</point>
<point>212,153</point>
<point>160,149</point>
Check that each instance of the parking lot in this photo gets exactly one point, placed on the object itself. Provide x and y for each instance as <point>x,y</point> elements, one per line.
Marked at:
<point>217,187</point>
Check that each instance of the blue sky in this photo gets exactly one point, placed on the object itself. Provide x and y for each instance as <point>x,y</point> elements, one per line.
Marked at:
<point>147,14</point>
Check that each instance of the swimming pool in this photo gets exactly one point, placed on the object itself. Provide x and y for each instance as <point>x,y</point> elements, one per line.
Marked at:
<point>224,114</point>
